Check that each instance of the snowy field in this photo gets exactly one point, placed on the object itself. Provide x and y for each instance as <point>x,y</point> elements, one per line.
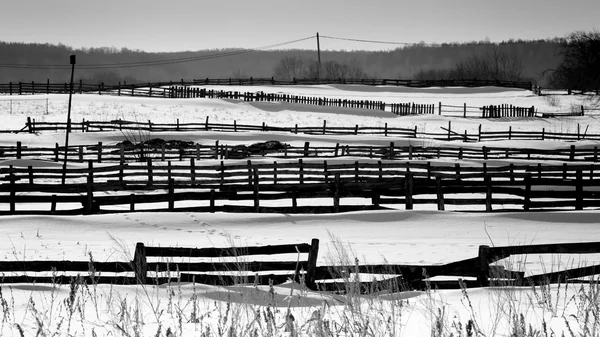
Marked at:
<point>395,237</point>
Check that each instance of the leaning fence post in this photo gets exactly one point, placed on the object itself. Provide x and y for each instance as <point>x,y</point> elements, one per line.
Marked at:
<point>311,266</point>
<point>140,265</point>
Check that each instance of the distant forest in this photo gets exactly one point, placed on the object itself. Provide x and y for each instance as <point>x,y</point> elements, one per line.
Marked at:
<point>534,57</point>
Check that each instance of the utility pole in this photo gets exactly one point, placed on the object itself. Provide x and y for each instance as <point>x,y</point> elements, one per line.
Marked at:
<point>72,61</point>
<point>318,56</point>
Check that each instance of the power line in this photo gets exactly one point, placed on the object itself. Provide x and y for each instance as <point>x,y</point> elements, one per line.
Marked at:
<point>156,62</point>
<point>367,41</point>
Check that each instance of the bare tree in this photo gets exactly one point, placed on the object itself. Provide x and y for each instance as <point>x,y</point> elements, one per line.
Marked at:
<point>494,65</point>
<point>289,67</point>
<point>580,67</point>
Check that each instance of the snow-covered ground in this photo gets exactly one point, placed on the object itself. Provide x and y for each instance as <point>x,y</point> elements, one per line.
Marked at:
<point>396,237</point>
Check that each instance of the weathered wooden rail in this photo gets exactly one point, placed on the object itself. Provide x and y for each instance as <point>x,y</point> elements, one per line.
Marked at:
<point>208,188</point>
<point>231,265</point>
<point>23,88</point>
<point>447,133</point>
<point>179,151</point>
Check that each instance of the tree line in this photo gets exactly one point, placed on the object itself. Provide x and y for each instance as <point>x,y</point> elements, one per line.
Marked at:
<point>535,60</point>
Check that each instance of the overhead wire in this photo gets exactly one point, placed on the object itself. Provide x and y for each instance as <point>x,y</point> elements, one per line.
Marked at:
<point>366,41</point>
<point>155,62</point>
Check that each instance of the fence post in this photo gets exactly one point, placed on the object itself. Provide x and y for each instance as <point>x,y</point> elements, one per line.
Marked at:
<point>578,190</point>
<point>440,193</point>
<point>99,152</point>
<point>311,266</point>
<point>90,189</point>
<point>465,110</point>
<point>484,266</point>
<point>488,193</point>
<point>171,194</point>
<point>440,108</point>
<point>149,166</point>
<point>140,265</point>
<point>18,150</point>
<point>306,148</point>
<point>301,170</point>
<point>336,194</point>
<point>408,186</point>
<point>13,190</point>
<point>527,199</point>
<point>256,197</point>
<point>572,153</point>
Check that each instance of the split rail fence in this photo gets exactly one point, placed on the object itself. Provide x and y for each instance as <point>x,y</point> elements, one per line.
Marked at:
<point>184,91</point>
<point>230,265</point>
<point>446,133</point>
<point>164,151</point>
<point>24,88</point>
<point>266,187</point>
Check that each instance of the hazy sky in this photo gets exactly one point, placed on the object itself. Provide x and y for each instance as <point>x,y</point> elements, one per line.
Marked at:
<point>175,25</point>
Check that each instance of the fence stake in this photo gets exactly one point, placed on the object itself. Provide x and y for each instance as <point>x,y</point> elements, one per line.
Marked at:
<point>301,171</point>
<point>488,193</point>
<point>18,150</point>
<point>212,201</point>
<point>440,108</point>
<point>439,193</point>
<point>527,197</point>
<point>99,152</point>
<point>90,192</point>
<point>572,153</point>
<point>484,266</point>
<point>465,110</point>
<point>578,190</point>
<point>13,190</point>
<point>171,194</point>
<point>306,148</point>
<point>53,204</point>
<point>409,190</point>
<point>324,126</point>
<point>336,194</point>
<point>140,266</point>
<point>132,202</point>
<point>294,201</point>
<point>311,266</point>
<point>150,176</point>
<point>122,153</point>
<point>256,196</point>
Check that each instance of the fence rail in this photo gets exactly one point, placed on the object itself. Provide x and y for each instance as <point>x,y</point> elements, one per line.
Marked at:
<point>160,151</point>
<point>123,188</point>
<point>21,88</point>
<point>222,270</point>
<point>446,133</point>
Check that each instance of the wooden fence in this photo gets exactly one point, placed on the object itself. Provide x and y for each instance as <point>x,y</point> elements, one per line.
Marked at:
<point>229,265</point>
<point>159,150</point>
<point>123,188</point>
<point>33,126</point>
<point>23,88</point>
<point>226,266</point>
<point>181,91</point>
